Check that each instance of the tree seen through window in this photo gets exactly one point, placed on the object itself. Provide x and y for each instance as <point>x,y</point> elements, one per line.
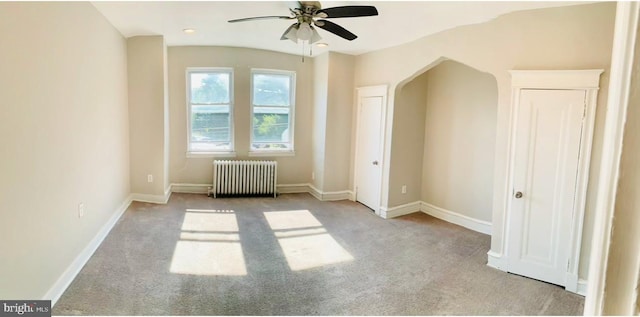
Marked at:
<point>271,96</point>
<point>210,98</point>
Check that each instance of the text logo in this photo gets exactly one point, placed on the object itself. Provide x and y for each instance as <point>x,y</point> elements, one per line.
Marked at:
<point>25,308</point>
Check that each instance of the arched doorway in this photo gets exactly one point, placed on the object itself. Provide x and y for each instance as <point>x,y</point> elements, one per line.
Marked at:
<point>443,140</point>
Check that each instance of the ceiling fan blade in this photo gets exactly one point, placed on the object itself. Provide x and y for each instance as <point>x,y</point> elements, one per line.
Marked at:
<point>269,17</point>
<point>336,29</point>
<point>349,11</point>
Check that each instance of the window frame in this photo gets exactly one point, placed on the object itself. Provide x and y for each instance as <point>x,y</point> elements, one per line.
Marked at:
<point>222,153</point>
<point>292,101</point>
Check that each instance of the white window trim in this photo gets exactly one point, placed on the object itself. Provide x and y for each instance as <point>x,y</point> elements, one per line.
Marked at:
<point>210,154</point>
<point>202,154</point>
<point>292,107</point>
<point>272,153</point>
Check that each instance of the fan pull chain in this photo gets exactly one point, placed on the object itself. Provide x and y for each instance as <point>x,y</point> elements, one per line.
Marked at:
<point>310,50</point>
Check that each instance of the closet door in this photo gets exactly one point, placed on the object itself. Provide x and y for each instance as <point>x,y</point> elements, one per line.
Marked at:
<point>369,140</point>
<point>547,146</point>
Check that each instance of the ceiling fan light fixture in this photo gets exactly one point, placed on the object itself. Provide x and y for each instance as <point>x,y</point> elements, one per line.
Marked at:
<point>292,34</point>
<point>304,31</point>
<point>322,45</point>
<point>315,37</point>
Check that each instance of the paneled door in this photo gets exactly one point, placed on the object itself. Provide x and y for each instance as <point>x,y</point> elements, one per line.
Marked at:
<point>545,169</point>
<point>368,162</point>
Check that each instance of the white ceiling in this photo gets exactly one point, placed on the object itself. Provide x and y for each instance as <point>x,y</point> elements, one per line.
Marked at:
<point>398,22</point>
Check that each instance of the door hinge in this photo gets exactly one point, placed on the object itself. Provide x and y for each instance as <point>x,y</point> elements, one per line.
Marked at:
<point>567,266</point>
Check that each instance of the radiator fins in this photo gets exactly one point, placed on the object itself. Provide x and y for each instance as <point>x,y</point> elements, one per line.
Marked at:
<point>244,178</point>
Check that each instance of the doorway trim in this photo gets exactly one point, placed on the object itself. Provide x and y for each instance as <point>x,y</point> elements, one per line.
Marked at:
<point>587,80</point>
<point>371,91</point>
<point>622,56</point>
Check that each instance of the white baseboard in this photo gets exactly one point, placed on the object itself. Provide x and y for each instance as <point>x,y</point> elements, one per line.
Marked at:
<point>190,188</point>
<point>575,285</point>
<point>292,188</point>
<point>440,213</point>
<point>571,282</point>
<point>280,188</point>
<point>454,217</point>
<point>401,210</point>
<point>156,199</point>
<point>338,195</point>
<point>496,261</point>
<point>315,192</point>
<point>167,193</point>
<point>78,263</point>
<point>204,188</point>
<point>329,196</point>
<point>582,287</point>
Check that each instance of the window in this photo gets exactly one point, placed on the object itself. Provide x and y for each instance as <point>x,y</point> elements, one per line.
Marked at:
<point>210,102</point>
<point>272,99</point>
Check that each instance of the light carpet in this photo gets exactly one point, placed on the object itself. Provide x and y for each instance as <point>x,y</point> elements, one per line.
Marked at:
<point>295,255</point>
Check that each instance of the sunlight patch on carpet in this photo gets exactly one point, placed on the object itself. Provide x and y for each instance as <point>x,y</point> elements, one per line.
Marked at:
<point>219,222</point>
<point>293,219</point>
<point>308,252</point>
<point>209,245</point>
<point>304,240</point>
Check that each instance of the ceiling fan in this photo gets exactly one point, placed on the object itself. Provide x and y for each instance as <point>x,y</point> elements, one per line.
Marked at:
<point>310,13</point>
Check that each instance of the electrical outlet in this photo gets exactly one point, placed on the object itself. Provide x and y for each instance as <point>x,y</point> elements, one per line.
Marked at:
<point>313,176</point>
<point>80,210</point>
<point>150,178</point>
<point>404,189</point>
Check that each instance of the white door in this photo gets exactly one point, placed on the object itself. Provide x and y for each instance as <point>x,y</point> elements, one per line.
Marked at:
<point>368,164</point>
<point>547,146</point>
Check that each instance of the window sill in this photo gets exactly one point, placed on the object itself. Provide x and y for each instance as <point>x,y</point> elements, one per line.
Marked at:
<point>210,154</point>
<point>271,153</point>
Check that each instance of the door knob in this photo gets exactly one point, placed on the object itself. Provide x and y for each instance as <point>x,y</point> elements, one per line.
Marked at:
<point>518,195</point>
<point>375,162</point>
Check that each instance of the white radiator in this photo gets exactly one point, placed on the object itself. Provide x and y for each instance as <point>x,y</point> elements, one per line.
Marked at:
<point>244,178</point>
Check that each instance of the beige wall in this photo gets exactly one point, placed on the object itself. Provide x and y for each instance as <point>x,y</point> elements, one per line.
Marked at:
<point>576,37</point>
<point>319,119</point>
<point>624,253</point>
<point>165,113</point>
<point>443,140</point>
<point>146,81</point>
<point>291,170</point>
<point>331,123</point>
<point>340,102</point>
<point>408,142</point>
<point>65,138</point>
<point>459,139</point>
